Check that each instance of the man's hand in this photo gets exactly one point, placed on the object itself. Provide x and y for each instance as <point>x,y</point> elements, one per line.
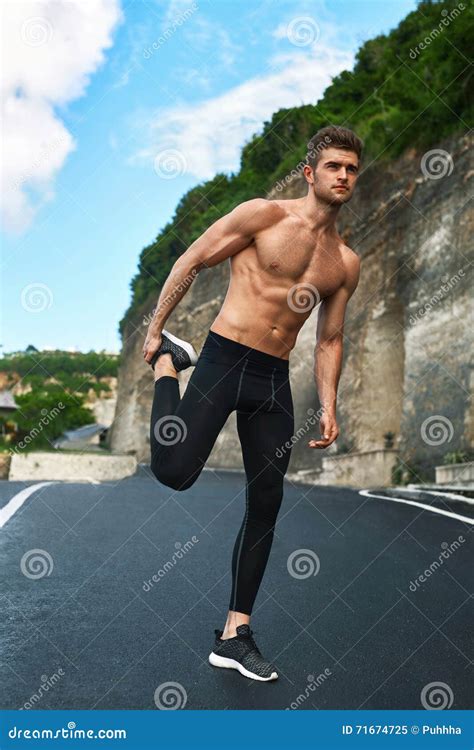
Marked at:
<point>151,345</point>
<point>329,431</point>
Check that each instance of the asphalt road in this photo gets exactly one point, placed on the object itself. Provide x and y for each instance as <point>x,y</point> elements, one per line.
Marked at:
<point>341,610</point>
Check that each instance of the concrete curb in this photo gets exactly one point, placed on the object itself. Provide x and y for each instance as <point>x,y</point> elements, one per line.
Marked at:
<point>86,467</point>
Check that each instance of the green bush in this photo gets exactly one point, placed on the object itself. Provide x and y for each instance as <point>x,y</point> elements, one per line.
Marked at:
<point>43,416</point>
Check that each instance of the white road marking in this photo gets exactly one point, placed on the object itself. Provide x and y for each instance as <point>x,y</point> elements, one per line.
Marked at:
<point>17,501</point>
<point>441,512</point>
<point>449,495</point>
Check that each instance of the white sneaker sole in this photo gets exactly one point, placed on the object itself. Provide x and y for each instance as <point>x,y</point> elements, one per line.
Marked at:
<point>226,663</point>
<point>188,348</point>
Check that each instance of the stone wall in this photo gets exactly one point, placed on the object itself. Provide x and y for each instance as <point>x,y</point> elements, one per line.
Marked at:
<point>65,466</point>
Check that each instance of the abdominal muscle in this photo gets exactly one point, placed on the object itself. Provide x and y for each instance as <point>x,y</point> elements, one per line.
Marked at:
<point>255,312</point>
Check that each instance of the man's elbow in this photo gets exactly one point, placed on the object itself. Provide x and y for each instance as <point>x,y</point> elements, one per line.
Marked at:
<point>329,342</point>
<point>188,266</point>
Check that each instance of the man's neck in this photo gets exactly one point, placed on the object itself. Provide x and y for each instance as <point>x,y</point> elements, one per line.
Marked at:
<point>320,215</point>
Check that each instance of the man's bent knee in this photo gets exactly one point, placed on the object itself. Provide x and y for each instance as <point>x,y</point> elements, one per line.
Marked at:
<point>172,478</point>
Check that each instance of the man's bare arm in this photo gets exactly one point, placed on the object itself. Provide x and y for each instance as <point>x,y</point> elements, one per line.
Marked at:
<point>329,348</point>
<point>225,237</point>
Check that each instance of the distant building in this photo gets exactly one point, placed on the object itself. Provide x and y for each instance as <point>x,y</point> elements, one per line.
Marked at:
<point>8,407</point>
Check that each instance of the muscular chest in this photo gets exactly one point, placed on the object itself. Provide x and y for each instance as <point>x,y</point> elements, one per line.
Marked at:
<point>297,259</point>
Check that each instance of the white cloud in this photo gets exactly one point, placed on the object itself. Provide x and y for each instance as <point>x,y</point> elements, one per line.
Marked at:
<point>50,50</point>
<point>206,37</point>
<point>176,9</point>
<point>210,134</point>
<point>211,40</point>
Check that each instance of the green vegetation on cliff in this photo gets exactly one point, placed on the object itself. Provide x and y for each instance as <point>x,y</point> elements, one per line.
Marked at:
<point>75,371</point>
<point>409,88</point>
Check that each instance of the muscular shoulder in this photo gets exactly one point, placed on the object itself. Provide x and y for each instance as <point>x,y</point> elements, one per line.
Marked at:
<point>349,255</point>
<point>258,213</point>
<point>352,265</point>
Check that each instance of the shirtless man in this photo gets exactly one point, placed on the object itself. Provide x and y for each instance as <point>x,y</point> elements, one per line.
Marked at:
<point>286,256</point>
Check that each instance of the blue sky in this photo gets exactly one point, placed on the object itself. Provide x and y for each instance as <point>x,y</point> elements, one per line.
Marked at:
<point>113,110</point>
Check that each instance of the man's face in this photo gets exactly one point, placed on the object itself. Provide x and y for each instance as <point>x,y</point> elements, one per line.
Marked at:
<point>336,169</point>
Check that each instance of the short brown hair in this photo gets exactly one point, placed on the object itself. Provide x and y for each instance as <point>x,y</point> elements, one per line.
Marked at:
<point>332,136</point>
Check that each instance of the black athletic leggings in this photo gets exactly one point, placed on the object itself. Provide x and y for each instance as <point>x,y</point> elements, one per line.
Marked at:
<point>229,375</point>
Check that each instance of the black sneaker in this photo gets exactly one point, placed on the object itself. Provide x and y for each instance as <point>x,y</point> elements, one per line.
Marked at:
<point>183,354</point>
<point>242,653</point>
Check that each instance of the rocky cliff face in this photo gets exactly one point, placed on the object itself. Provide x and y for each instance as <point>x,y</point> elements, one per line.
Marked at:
<point>408,326</point>
<point>103,405</point>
